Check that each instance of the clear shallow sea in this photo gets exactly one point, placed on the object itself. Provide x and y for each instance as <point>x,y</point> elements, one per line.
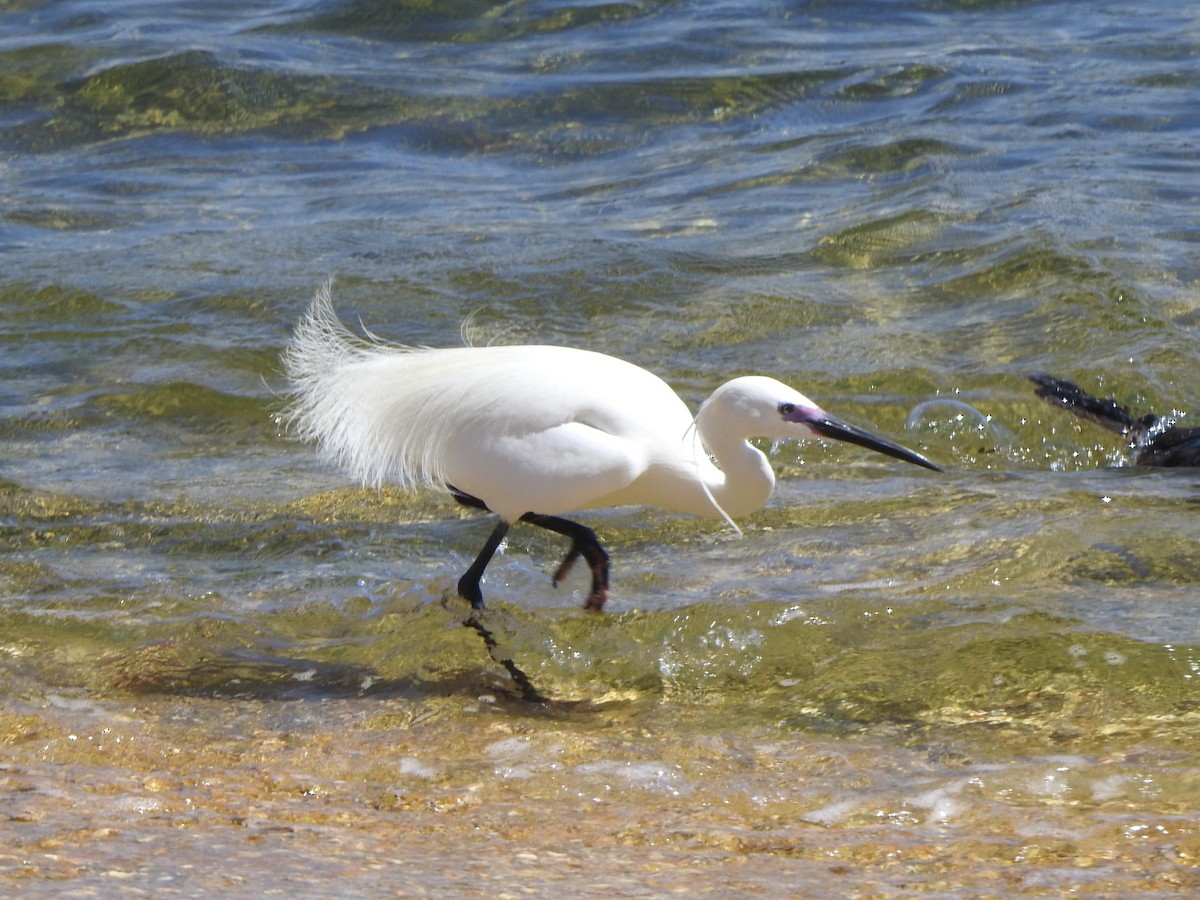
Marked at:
<point>223,669</point>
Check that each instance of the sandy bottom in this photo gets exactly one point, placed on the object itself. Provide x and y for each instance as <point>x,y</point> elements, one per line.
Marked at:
<point>487,796</point>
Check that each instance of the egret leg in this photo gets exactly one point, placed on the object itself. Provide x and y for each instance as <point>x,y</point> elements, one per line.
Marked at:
<point>466,499</point>
<point>583,543</point>
<point>468,585</point>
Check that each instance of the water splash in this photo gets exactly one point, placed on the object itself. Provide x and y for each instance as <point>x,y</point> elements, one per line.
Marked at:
<point>958,423</point>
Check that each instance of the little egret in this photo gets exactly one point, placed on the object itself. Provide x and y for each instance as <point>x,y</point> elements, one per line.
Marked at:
<point>1155,440</point>
<point>530,432</point>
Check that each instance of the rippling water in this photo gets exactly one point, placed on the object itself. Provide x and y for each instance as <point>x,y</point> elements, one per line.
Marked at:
<point>895,680</point>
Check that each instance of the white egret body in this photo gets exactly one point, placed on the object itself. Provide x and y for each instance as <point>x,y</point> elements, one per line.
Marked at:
<point>530,432</point>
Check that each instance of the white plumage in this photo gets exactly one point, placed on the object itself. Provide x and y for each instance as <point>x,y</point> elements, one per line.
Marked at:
<point>535,431</point>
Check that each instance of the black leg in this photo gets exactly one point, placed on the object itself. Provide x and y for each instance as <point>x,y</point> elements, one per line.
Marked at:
<point>468,585</point>
<point>468,588</point>
<point>466,499</point>
<point>583,543</point>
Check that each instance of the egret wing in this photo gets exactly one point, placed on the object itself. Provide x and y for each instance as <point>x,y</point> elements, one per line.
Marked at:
<point>556,470</point>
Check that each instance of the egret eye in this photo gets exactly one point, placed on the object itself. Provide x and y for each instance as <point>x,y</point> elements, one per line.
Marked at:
<point>786,409</point>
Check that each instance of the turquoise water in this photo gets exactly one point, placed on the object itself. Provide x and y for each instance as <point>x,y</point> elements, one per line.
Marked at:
<point>893,679</point>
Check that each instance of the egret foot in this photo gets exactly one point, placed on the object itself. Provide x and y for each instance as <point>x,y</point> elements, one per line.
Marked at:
<point>468,585</point>
<point>583,543</point>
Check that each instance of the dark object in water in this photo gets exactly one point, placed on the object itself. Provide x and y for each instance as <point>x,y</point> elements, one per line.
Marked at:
<point>1155,440</point>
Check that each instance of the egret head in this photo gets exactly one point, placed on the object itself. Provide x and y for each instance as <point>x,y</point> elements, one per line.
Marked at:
<point>757,406</point>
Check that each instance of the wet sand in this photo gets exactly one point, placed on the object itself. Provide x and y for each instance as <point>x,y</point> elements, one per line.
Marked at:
<point>488,796</point>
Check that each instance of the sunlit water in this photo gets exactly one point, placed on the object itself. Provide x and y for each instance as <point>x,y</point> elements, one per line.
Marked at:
<point>212,648</point>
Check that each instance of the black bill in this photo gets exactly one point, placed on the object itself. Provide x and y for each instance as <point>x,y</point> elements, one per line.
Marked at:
<point>829,427</point>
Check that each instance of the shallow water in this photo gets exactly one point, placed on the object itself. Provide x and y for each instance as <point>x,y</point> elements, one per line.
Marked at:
<point>214,649</point>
